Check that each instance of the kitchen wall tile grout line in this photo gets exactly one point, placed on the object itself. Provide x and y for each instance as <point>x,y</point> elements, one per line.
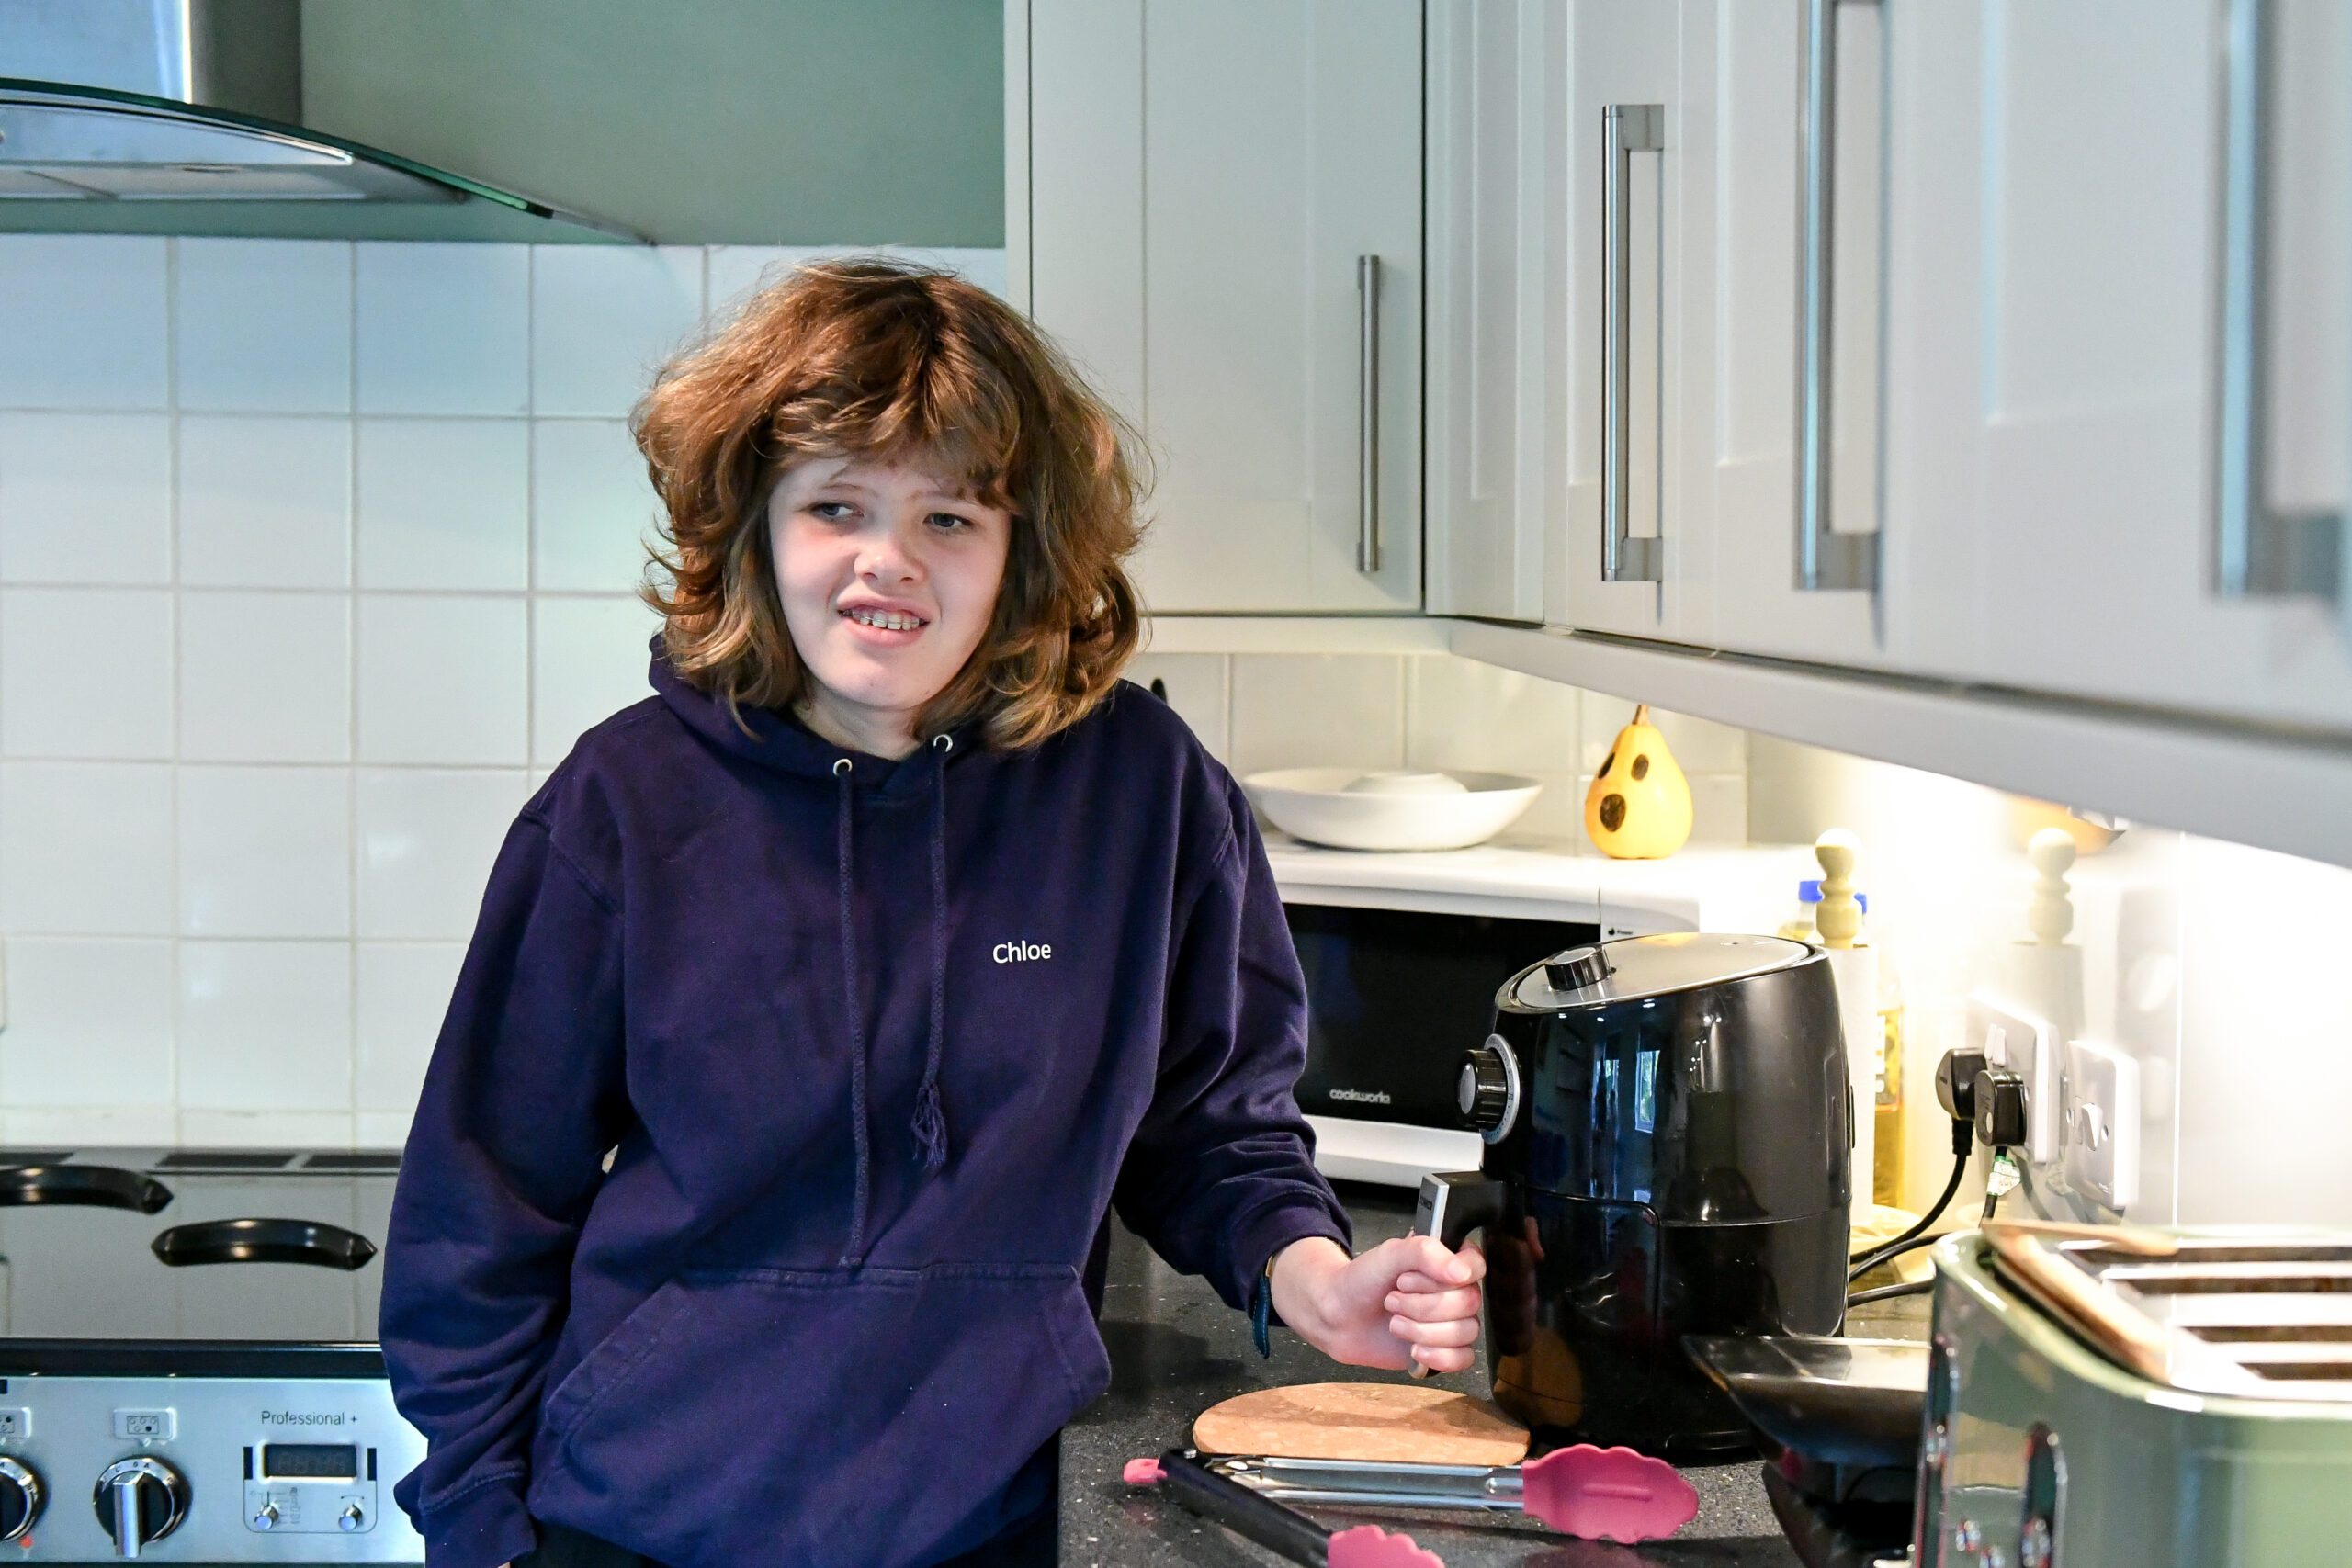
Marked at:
<point>531,510</point>
<point>352,844</point>
<point>172,472</point>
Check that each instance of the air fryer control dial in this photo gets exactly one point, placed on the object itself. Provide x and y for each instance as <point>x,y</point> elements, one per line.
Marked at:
<point>20,1499</point>
<point>1487,1092</point>
<point>1577,968</point>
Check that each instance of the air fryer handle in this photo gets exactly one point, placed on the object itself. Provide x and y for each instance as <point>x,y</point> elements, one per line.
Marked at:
<point>1454,1203</point>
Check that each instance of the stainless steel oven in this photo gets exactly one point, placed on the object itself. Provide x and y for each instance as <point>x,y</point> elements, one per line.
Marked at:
<point>188,1366</point>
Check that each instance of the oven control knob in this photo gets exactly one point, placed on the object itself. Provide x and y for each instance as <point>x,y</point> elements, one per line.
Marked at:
<point>351,1519</point>
<point>138,1500</point>
<point>265,1516</point>
<point>1487,1092</point>
<point>20,1499</point>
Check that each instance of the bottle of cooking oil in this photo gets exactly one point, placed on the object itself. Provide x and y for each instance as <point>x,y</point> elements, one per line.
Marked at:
<point>1886,1139</point>
<point>1886,1143</point>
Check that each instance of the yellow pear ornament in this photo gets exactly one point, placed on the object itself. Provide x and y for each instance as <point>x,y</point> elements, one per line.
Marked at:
<point>1639,804</point>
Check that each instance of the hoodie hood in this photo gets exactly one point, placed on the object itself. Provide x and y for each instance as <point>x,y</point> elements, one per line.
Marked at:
<point>783,744</point>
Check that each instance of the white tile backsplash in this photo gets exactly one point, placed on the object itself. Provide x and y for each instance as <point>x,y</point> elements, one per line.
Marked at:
<point>444,679</point>
<point>445,503</point>
<point>264,851</point>
<point>264,326</point>
<point>264,677</point>
<point>268,1130</point>
<point>403,991</point>
<point>1194,685</point>
<point>444,329</point>
<point>86,498</point>
<point>427,836</point>
<point>89,1022</point>
<point>85,673</point>
<point>113,1126</point>
<point>1462,715</point>
<point>604,318</point>
<point>736,272</point>
<point>265,1026</point>
<point>590,661</point>
<point>87,849</point>
<point>1316,710</point>
<point>265,501</point>
<point>593,506</point>
<point>82,320</point>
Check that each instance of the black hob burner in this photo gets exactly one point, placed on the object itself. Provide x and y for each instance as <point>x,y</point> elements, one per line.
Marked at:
<point>190,1335</point>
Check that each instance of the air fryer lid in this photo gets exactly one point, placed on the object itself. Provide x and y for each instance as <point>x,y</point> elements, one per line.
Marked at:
<point>1634,968</point>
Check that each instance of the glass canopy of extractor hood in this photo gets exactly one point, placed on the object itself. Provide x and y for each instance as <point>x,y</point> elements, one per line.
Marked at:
<point>99,160</point>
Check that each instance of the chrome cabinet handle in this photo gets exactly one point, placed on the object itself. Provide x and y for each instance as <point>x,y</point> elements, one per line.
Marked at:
<point>2258,551</point>
<point>1824,558</point>
<point>1625,129</point>
<point>1367,413</point>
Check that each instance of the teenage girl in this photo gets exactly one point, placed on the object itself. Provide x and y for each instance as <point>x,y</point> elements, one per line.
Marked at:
<point>823,1005</point>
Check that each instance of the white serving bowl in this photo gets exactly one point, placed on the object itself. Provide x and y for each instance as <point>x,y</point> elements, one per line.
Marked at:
<point>1348,808</point>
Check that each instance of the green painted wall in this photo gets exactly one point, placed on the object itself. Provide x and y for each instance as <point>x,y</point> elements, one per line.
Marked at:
<point>791,122</point>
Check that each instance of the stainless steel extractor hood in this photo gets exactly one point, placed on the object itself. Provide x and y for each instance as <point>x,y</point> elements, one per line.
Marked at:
<point>181,116</point>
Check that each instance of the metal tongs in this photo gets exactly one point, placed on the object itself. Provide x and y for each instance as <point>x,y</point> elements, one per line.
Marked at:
<point>1607,1493</point>
<point>1382,1483</point>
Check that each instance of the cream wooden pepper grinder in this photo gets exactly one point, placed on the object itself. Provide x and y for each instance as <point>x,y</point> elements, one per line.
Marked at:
<point>1838,920</point>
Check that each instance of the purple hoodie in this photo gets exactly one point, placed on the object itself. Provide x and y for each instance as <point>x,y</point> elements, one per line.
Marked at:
<point>875,1047</point>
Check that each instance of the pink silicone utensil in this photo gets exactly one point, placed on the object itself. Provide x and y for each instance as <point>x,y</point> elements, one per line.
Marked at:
<point>1287,1533</point>
<point>1607,1493</point>
<point>1369,1546</point>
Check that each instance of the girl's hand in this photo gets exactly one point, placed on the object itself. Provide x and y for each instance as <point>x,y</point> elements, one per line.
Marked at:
<point>1406,1300</point>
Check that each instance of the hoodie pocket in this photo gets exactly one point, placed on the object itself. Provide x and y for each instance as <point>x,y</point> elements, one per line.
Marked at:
<point>777,1417</point>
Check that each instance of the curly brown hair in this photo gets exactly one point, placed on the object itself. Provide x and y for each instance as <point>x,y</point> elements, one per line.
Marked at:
<point>878,361</point>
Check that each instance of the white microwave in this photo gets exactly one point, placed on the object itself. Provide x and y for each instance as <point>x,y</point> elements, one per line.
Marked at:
<point>1403,954</point>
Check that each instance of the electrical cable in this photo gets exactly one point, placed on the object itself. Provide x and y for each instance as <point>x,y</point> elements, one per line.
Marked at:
<point>1888,1292</point>
<point>1890,1251</point>
<point>1917,1235</point>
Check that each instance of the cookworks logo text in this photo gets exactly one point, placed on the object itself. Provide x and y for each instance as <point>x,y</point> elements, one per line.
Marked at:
<point>301,1417</point>
<point>1359,1096</point>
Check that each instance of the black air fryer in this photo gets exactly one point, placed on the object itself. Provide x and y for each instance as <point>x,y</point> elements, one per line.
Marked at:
<point>1668,1127</point>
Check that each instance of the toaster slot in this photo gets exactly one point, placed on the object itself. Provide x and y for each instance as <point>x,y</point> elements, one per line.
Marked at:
<point>2106,1258</point>
<point>2233,1280</point>
<point>2300,1372</point>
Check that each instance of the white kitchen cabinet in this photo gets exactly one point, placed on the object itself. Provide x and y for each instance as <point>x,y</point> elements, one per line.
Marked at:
<point>1497,335</point>
<point>2069,420</point>
<point>1637,144</point>
<point>1790,368</point>
<point>1204,180</point>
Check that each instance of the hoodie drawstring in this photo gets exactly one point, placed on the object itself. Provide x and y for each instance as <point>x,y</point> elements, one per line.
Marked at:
<point>856,1014</point>
<point>931,1123</point>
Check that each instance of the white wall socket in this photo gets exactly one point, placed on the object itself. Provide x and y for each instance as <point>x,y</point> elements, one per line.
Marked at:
<point>2013,1038</point>
<point>2100,1122</point>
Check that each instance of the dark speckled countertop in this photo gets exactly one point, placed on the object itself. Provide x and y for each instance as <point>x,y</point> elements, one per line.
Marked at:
<point>1176,1350</point>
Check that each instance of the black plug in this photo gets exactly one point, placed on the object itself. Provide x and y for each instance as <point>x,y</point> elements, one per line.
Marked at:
<point>1956,1092</point>
<point>2000,1107</point>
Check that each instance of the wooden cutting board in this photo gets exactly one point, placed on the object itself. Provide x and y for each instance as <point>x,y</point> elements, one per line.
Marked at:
<point>1408,1422</point>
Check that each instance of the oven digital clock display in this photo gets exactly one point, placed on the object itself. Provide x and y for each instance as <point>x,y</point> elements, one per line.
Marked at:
<point>309,1461</point>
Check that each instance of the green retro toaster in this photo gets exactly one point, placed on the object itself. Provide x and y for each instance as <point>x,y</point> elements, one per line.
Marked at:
<point>2166,1399</point>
